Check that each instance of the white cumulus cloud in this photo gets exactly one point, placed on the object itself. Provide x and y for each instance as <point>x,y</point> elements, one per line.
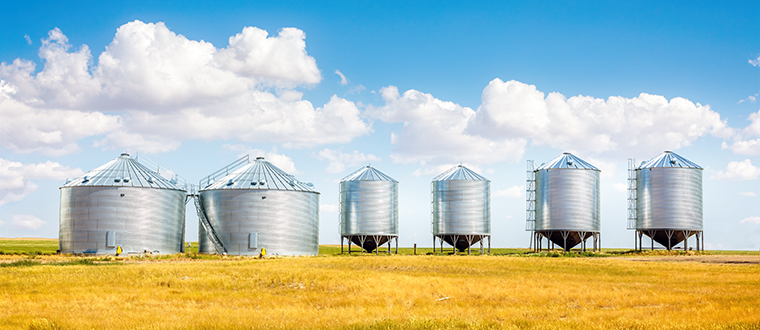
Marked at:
<point>513,113</point>
<point>343,80</point>
<point>26,222</point>
<point>16,179</point>
<point>747,193</point>
<point>743,170</point>
<point>434,131</point>
<point>159,88</point>
<point>338,161</point>
<point>754,220</point>
<point>747,141</point>
<point>646,124</point>
<point>511,192</point>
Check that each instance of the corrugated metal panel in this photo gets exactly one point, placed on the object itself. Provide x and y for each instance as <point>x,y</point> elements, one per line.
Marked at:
<point>369,203</point>
<point>287,222</point>
<point>669,159</point>
<point>140,219</point>
<point>567,195</point>
<point>204,243</point>
<point>259,175</point>
<point>669,198</point>
<point>567,160</point>
<point>123,172</point>
<point>461,203</point>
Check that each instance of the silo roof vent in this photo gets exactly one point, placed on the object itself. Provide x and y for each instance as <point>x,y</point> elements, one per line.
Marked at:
<point>260,174</point>
<point>123,171</point>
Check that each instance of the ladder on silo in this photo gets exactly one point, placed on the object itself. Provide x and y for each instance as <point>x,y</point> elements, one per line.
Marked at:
<point>530,198</point>
<point>632,194</point>
<point>207,226</point>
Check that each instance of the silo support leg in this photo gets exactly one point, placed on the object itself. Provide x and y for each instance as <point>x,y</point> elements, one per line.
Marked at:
<point>397,245</point>
<point>582,236</point>
<point>564,240</point>
<point>540,241</point>
<point>669,233</point>
<point>341,245</point>
<point>349,246</point>
<point>481,245</point>
<point>686,240</point>
<point>489,244</point>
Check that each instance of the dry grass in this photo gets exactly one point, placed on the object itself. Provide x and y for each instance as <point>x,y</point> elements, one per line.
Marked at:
<point>379,292</point>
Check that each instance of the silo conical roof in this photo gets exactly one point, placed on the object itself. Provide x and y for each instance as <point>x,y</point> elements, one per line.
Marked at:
<point>460,172</point>
<point>260,175</point>
<point>367,173</point>
<point>567,160</point>
<point>123,171</point>
<point>669,159</point>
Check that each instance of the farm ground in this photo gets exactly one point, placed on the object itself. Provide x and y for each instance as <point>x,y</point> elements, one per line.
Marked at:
<point>514,290</point>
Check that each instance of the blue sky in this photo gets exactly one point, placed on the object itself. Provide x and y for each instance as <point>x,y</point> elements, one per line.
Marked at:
<point>570,78</point>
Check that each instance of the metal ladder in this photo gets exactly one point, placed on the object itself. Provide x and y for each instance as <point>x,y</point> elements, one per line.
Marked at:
<point>207,226</point>
<point>632,194</point>
<point>530,198</point>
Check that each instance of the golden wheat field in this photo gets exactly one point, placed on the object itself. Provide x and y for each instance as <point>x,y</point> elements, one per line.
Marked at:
<point>377,292</point>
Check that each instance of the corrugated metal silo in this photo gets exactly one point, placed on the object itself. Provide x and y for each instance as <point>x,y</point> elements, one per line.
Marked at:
<point>369,209</point>
<point>461,209</point>
<point>666,201</point>
<point>566,205</point>
<point>260,206</point>
<point>122,204</point>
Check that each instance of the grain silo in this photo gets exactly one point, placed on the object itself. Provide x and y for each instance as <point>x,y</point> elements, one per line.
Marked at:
<point>253,205</point>
<point>368,209</point>
<point>122,204</point>
<point>461,209</point>
<point>665,200</point>
<point>563,202</point>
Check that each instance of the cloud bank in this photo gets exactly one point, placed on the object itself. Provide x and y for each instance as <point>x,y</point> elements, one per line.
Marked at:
<point>152,88</point>
<point>513,114</point>
<point>16,178</point>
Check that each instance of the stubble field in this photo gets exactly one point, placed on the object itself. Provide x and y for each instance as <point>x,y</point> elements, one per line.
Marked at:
<point>379,292</point>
